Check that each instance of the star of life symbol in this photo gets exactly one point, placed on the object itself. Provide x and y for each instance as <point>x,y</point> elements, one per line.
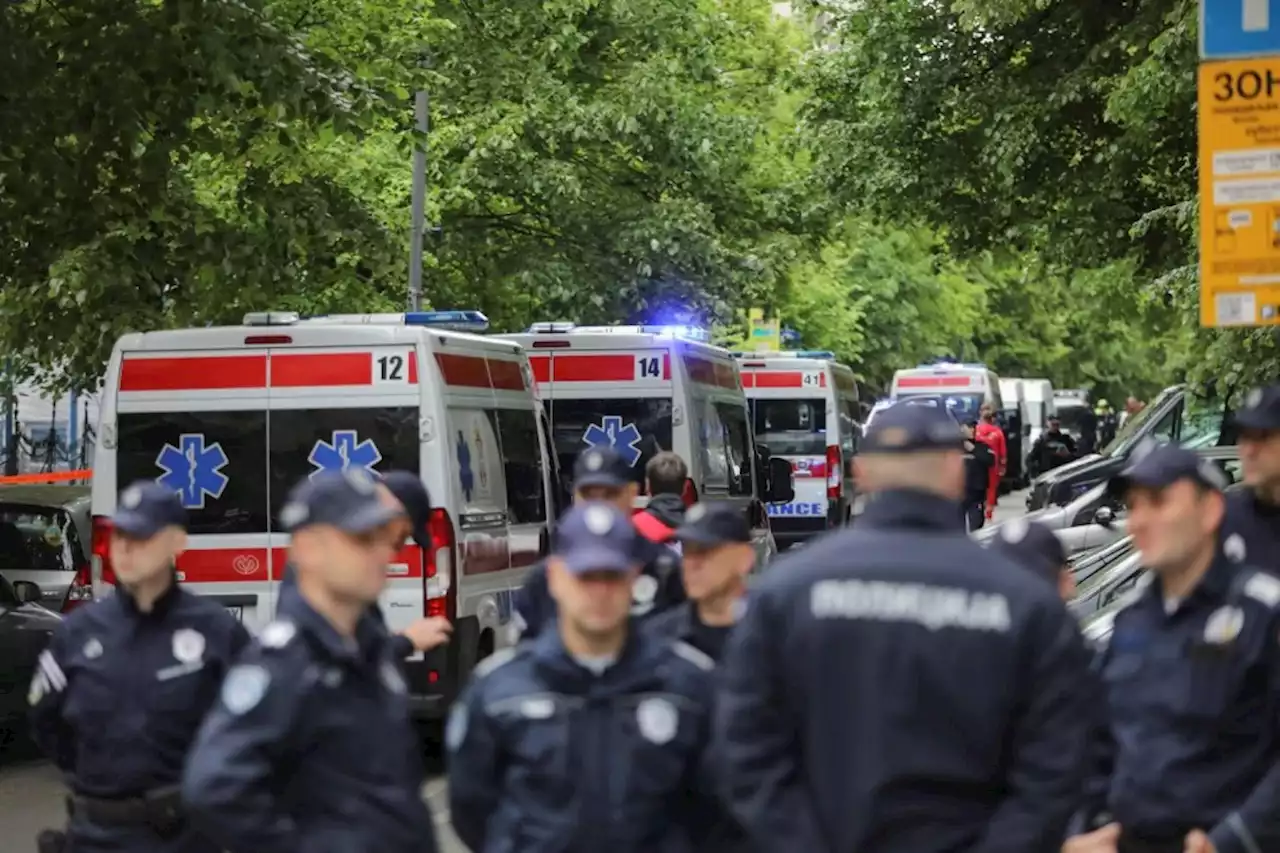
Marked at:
<point>345,452</point>
<point>466,477</point>
<point>611,432</point>
<point>193,470</point>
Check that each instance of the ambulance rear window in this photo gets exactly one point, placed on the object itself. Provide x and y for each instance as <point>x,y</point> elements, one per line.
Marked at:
<point>791,427</point>
<point>639,429</point>
<point>216,460</point>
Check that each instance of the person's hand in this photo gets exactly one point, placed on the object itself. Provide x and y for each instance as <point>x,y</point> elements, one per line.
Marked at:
<point>1102,840</point>
<point>1198,842</point>
<point>427,634</point>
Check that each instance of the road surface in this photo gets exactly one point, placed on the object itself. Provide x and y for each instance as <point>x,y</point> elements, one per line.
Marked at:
<point>31,792</point>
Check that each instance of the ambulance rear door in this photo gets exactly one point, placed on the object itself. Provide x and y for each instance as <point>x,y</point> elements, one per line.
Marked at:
<point>793,410</point>
<point>347,398</point>
<point>189,410</point>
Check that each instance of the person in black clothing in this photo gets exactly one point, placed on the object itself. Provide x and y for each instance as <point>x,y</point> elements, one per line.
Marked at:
<point>978,462</point>
<point>665,477</point>
<point>1088,431</point>
<point>1251,530</point>
<point>1053,448</point>
<point>1035,547</point>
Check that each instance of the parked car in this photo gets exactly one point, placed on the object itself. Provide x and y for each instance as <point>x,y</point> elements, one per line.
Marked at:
<point>1097,627</point>
<point>25,630</point>
<point>45,533</point>
<point>1104,586</point>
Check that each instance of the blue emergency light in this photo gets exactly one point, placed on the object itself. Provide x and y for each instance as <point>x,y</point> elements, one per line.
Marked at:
<point>820,354</point>
<point>470,321</point>
<point>690,332</point>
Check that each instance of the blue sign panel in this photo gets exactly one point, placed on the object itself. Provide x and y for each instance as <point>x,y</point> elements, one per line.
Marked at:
<point>799,508</point>
<point>1234,29</point>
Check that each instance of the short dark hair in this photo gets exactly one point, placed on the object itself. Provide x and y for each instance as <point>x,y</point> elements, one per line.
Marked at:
<point>666,473</point>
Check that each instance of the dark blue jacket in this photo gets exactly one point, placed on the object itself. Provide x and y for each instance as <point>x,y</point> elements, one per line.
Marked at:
<point>896,687</point>
<point>401,646</point>
<point>659,588</point>
<point>547,757</point>
<point>118,697</point>
<point>1257,526</point>
<point>1194,701</point>
<point>310,748</point>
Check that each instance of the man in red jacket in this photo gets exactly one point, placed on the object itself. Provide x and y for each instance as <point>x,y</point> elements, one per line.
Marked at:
<point>990,434</point>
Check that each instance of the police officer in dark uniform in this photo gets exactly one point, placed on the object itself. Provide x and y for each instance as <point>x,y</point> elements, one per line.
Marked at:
<point>1251,532</point>
<point>592,736</point>
<point>895,685</point>
<point>601,474</point>
<point>1037,549</point>
<point>310,746</point>
<point>426,633</point>
<point>1192,680</point>
<point>978,462</point>
<point>121,690</point>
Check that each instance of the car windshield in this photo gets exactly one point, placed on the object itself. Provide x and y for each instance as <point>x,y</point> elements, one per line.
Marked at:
<point>1134,426</point>
<point>791,427</point>
<point>36,538</point>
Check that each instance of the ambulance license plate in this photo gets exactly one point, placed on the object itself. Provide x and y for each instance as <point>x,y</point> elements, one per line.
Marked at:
<point>237,612</point>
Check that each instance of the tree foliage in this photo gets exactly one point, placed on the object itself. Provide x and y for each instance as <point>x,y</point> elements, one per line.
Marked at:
<point>1005,180</point>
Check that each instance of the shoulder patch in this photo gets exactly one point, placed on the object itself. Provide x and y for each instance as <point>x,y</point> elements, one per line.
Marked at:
<point>277,634</point>
<point>1263,588</point>
<point>494,661</point>
<point>699,659</point>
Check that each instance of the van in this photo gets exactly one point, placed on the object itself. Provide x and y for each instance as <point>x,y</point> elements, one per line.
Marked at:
<point>232,418</point>
<point>645,389</point>
<point>804,408</point>
<point>964,387</point>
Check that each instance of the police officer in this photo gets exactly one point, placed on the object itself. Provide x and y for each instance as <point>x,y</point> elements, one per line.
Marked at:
<point>718,558</point>
<point>1037,549</point>
<point>895,685</point>
<point>1053,448</point>
<point>121,690</point>
<point>425,634</point>
<point>1251,532</point>
<point>310,746</point>
<point>1192,680</point>
<point>591,736</point>
<point>601,474</point>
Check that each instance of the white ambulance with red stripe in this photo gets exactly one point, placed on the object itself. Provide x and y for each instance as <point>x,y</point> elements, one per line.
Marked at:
<point>645,389</point>
<point>964,388</point>
<point>232,418</point>
<point>804,408</point>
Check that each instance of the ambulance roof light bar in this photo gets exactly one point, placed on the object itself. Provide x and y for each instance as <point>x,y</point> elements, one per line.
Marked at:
<point>555,327</point>
<point>457,321</point>
<point>690,332</point>
<point>819,354</point>
<point>271,318</point>
<point>951,365</point>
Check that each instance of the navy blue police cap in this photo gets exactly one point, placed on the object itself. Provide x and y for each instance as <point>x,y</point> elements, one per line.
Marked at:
<point>413,496</point>
<point>347,500</point>
<point>601,466</point>
<point>594,536</point>
<point>145,508</point>
<point>1031,545</point>
<point>713,524</point>
<point>912,429</point>
<point>1261,409</point>
<point>1158,466</point>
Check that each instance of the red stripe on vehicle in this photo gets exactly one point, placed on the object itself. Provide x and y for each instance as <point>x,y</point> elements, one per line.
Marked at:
<point>935,381</point>
<point>193,373</point>
<point>541,366</point>
<point>803,470</point>
<point>506,375</point>
<point>666,366</point>
<point>464,371</point>
<point>246,565</point>
<point>779,380</point>
<point>413,368</point>
<point>593,368</point>
<point>709,372</point>
<point>312,370</point>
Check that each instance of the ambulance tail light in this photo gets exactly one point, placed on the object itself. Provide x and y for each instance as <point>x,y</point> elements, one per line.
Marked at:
<point>835,473</point>
<point>440,594</point>
<point>89,579</point>
<point>690,493</point>
<point>267,340</point>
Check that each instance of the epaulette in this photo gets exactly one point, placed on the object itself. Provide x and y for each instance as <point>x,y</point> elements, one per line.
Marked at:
<point>698,658</point>
<point>277,634</point>
<point>1262,587</point>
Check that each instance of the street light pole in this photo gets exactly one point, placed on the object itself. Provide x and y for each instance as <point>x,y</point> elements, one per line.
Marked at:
<point>421,109</point>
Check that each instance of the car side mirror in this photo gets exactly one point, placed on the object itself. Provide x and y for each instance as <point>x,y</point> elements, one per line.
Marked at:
<point>782,487</point>
<point>1105,516</point>
<point>27,592</point>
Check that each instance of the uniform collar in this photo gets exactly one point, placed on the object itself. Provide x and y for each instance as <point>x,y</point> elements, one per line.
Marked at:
<point>1262,507</point>
<point>550,653</point>
<point>1212,588</point>
<point>910,508</point>
<point>159,609</point>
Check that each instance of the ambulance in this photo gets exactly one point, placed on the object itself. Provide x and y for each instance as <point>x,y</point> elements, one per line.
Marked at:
<point>963,387</point>
<point>232,418</point>
<point>804,408</point>
<point>645,389</point>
